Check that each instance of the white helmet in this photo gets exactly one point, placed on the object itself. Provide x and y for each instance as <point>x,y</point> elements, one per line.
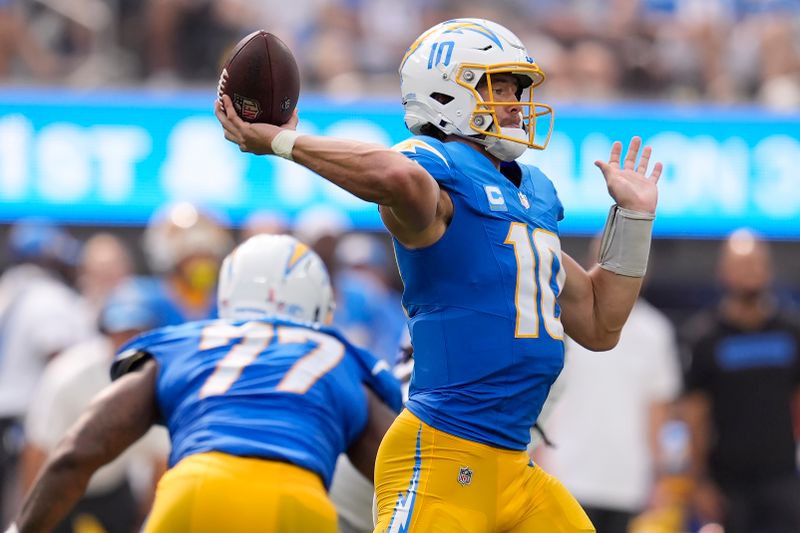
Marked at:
<point>439,74</point>
<point>274,275</point>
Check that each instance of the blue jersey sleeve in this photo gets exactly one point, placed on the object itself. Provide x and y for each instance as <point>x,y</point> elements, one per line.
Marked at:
<point>429,153</point>
<point>132,354</point>
<point>157,344</point>
<point>377,375</point>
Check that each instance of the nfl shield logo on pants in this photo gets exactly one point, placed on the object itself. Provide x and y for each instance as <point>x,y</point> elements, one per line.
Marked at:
<point>465,476</point>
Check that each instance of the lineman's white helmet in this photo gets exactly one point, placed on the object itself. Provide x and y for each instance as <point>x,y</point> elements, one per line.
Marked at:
<point>441,69</point>
<point>275,275</point>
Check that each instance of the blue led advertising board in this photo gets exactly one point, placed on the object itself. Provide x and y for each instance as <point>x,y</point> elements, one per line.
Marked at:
<point>112,158</point>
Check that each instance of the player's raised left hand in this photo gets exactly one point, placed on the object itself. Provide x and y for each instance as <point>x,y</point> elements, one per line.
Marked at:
<point>629,185</point>
<point>255,138</point>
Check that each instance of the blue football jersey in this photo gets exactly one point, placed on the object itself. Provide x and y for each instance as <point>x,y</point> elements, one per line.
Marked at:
<point>265,388</point>
<point>369,313</point>
<point>482,301</point>
<point>166,305</point>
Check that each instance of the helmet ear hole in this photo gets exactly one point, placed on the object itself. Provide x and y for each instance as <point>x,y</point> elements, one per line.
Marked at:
<point>442,98</point>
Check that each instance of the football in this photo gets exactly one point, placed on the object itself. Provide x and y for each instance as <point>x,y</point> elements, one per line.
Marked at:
<point>261,78</point>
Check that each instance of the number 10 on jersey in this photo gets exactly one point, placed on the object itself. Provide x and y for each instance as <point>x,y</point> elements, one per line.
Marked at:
<point>537,255</point>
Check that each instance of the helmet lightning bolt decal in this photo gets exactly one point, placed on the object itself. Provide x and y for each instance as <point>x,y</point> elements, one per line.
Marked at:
<point>298,253</point>
<point>456,26</point>
<point>411,145</point>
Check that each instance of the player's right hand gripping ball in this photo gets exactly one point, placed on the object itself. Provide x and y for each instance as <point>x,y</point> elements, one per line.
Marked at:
<point>262,79</point>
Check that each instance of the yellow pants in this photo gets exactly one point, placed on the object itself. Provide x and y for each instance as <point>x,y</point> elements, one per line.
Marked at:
<point>432,482</point>
<point>216,492</point>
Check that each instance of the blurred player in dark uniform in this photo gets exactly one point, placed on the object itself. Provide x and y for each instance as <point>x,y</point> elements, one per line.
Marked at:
<point>742,397</point>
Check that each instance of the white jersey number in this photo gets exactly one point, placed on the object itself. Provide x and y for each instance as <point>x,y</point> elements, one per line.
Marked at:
<point>253,339</point>
<point>535,295</point>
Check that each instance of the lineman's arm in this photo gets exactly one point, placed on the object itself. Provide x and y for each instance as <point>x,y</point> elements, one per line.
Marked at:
<point>31,461</point>
<point>369,171</point>
<point>596,304</point>
<point>363,451</point>
<point>115,419</point>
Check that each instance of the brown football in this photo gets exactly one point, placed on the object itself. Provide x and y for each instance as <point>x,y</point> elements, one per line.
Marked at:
<point>261,78</point>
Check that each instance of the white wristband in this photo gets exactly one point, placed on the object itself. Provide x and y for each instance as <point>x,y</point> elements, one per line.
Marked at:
<point>12,528</point>
<point>283,143</point>
<point>625,245</point>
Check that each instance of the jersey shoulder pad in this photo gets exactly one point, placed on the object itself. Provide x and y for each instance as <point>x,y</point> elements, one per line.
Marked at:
<point>152,344</point>
<point>428,152</point>
<point>127,361</point>
<point>544,186</point>
<point>135,352</point>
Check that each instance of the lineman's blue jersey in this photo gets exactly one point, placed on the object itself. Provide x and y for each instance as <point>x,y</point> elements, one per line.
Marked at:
<point>265,388</point>
<point>482,301</point>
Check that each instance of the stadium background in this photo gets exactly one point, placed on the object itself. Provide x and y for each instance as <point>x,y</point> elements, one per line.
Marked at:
<point>106,114</point>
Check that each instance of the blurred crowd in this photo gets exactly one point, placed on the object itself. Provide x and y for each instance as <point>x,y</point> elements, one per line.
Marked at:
<point>725,51</point>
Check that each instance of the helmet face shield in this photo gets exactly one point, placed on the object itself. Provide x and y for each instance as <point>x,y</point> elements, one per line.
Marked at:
<point>536,119</point>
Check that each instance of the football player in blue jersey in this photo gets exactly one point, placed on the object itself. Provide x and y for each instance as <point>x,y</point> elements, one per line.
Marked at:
<point>184,245</point>
<point>488,291</point>
<point>259,404</point>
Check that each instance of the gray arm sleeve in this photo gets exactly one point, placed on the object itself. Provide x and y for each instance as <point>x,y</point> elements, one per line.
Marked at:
<point>625,244</point>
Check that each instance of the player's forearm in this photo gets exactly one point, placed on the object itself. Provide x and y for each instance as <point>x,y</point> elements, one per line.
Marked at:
<point>117,417</point>
<point>33,458</point>
<point>597,305</point>
<point>59,487</point>
<point>614,297</point>
<point>369,171</point>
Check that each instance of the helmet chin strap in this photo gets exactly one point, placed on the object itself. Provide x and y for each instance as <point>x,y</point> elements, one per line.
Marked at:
<point>506,149</point>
